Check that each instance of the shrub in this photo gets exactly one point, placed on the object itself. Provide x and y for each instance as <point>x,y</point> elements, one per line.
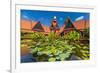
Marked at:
<point>54,47</point>
<point>73,36</point>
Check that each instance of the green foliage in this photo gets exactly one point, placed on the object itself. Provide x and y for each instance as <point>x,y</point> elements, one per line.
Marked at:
<point>52,59</point>
<point>86,33</point>
<point>63,56</point>
<point>82,51</point>
<point>73,36</point>
<point>58,51</point>
<point>54,47</point>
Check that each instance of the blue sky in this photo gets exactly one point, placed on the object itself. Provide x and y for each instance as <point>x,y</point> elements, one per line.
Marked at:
<point>45,17</point>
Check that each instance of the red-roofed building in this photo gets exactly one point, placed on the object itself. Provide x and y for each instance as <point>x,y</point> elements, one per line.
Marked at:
<point>33,26</point>
<point>81,24</point>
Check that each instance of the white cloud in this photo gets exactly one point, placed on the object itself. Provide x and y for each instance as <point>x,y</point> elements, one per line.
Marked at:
<point>25,17</point>
<point>79,18</point>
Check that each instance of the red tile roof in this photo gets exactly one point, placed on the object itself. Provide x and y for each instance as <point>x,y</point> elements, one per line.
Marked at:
<point>46,29</point>
<point>82,24</point>
<point>27,25</point>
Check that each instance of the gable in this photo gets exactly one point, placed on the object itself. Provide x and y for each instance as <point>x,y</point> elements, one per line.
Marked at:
<point>68,24</point>
<point>38,27</point>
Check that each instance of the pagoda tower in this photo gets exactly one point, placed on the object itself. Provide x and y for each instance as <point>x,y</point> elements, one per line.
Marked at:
<point>54,25</point>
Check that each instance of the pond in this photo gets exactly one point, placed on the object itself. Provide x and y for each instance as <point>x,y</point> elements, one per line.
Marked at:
<point>29,58</point>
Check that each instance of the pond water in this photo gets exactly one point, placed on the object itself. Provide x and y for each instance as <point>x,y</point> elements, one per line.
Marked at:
<point>29,58</point>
